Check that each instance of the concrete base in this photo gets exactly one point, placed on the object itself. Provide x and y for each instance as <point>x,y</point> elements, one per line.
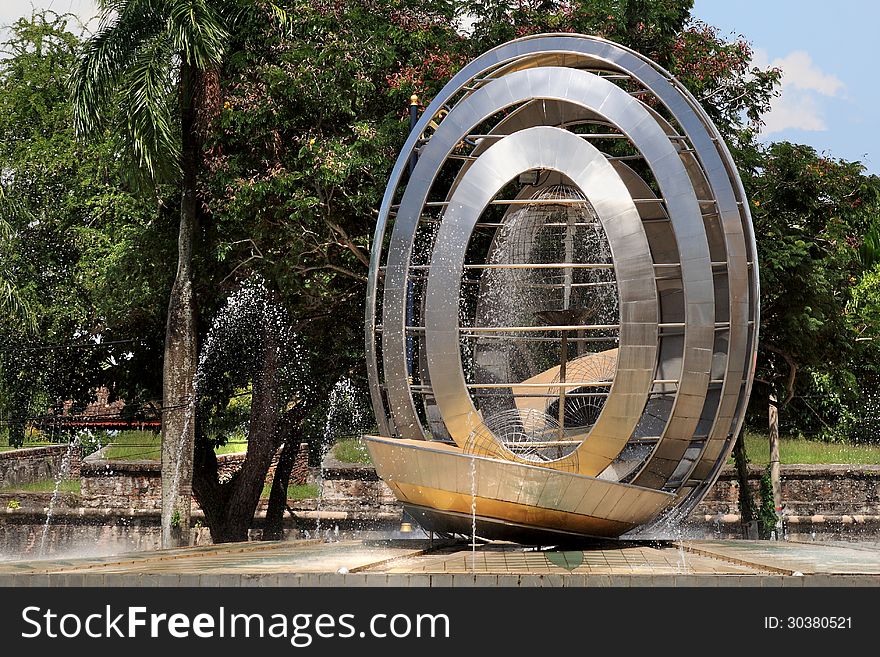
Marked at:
<point>426,563</point>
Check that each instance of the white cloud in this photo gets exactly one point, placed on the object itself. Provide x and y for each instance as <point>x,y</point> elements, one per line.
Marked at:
<point>798,106</point>
<point>793,111</point>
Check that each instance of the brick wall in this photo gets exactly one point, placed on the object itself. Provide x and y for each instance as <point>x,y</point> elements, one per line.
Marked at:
<point>831,490</point>
<point>354,487</point>
<point>228,464</point>
<point>24,466</point>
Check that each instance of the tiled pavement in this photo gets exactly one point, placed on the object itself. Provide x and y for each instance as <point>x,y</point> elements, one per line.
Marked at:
<point>793,556</point>
<point>631,560</point>
<point>412,563</point>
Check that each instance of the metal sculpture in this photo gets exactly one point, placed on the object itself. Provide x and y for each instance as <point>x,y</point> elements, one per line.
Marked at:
<point>562,310</point>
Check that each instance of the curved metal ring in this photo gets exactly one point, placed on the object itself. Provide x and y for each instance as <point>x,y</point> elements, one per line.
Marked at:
<point>558,150</point>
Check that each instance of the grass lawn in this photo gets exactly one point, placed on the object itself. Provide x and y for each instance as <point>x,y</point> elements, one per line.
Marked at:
<point>795,450</point>
<point>146,445</point>
<point>43,486</point>
<point>295,492</point>
<point>5,446</point>
<point>351,450</point>
<point>135,446</point>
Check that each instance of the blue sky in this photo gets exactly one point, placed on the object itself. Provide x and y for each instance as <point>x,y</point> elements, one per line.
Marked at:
<point>829,53</point>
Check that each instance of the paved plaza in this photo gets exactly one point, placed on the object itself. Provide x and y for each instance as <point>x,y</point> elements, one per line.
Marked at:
<point>420,562</point>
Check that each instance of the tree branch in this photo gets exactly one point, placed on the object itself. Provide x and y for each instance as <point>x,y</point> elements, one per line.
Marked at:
<point>792,372</point>
<point>354,248</point>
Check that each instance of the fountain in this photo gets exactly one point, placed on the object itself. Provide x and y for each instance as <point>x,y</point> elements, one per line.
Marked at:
<point>572,312</point>
<point>63,473</point>
<point>560,336</point>
<point>347,417</point>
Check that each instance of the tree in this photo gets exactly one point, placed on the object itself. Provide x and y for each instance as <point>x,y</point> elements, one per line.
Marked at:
<point>310,125</point>
<point>312,121</point>
<point>160,61</point>
<point>811,213</point>
<point>250,345</point>
<point>11,300</point>
<point>76,232</point>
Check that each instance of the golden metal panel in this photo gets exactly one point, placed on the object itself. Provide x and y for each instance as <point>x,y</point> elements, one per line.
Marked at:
<point>524,494</point>
<point>513,512</point>
<point>605,508</point>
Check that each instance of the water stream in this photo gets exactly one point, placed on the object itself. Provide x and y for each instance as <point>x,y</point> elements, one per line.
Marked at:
<point>63,473</point>
<point>473,513</point>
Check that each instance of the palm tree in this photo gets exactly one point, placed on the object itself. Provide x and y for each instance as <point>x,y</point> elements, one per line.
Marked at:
<point>158,62</point>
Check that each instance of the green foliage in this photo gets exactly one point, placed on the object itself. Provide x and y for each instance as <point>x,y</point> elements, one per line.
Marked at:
<point>91,441</point>
<point>831,399</point>
<point>6,443</point>
<point>718,72</point>
<point>312,117</point>
<point>86,255</point>
<point>227,425</point>
<point>650,27</point>
<point>130,61</point>
<point>745,500</point>
<point>721,76</point>
<point>863,309</point>
<point>13,504</point>
<point>12,302</point>
<point>810,213</point>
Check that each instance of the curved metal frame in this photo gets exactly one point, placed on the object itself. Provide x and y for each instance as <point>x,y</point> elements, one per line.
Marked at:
<point>557,150</point>
<point>697,182</point>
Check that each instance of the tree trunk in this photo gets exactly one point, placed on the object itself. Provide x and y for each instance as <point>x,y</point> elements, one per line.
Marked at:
<point>746,503</point>
<point>263,441</point>
<point>229,507</point>
<point>274,527</point>
<point>181,349</point>
<point>773,417</point>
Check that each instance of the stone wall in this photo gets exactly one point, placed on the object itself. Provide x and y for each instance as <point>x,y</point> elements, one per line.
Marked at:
<point>82,532</point>
<point>121,484</point>
<point>27,465</point>
<point>354,487</point>
<point>831,500</point>
<point>138,484</point>
<point>229,464</point>
<point>807,490</point>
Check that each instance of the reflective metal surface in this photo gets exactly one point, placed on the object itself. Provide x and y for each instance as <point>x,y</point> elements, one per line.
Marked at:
<point>560,112</point>
<point>509,492</point>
